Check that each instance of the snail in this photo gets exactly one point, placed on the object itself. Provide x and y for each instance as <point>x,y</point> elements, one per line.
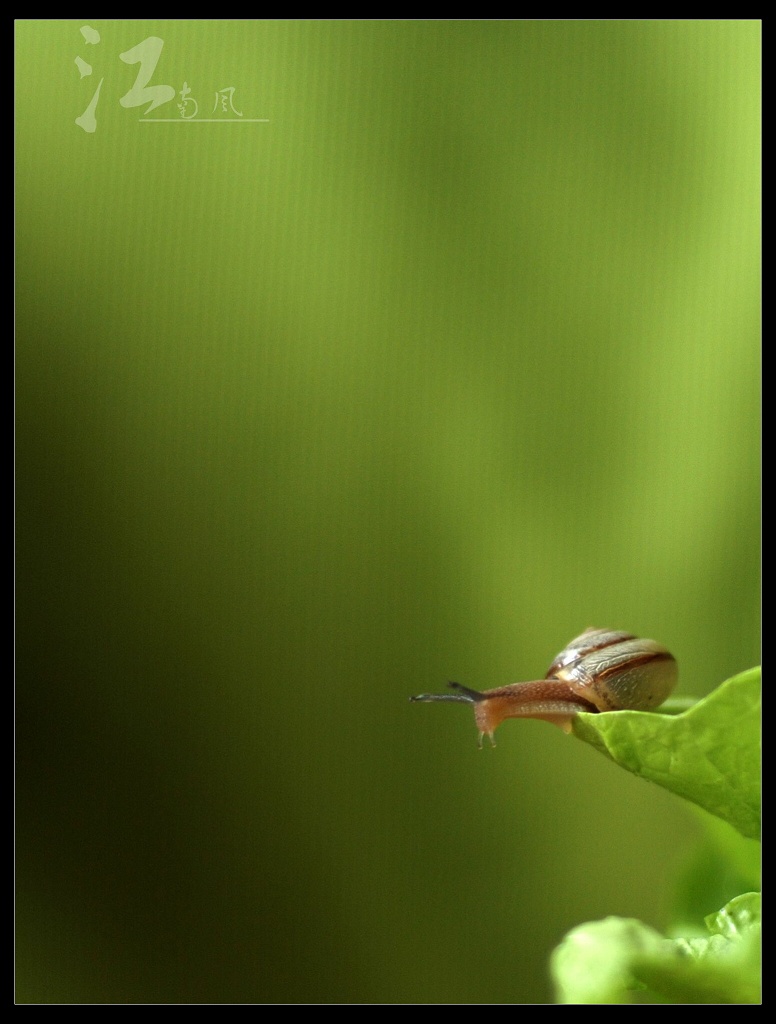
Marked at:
<point>601,670</point>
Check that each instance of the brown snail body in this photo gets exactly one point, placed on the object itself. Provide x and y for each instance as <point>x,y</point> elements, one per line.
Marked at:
<point>600,670</point>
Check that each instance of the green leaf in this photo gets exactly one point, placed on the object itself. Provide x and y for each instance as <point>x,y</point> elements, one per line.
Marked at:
<point>624,961</point>
<point>709,754</point>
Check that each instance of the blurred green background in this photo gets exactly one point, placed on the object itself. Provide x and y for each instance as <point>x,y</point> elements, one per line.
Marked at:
<point>455,356</point>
